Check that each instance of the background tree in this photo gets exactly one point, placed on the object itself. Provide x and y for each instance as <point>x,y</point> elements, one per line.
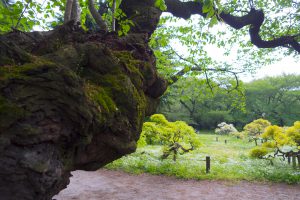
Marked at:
<point>275,98</point>
<point>256,128</point>
<point>192,100</point>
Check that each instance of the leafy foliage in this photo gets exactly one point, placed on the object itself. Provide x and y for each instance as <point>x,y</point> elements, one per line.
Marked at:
<point>198,105</point>
<point>224,129</point>
<point>257,127</point>
<point>175,136</point>
<point>160,4</point>
<point>277,99</point>
<point>24,15</point>
<point>280,141</point>
<point>229,162</point>
<point>258,152</point>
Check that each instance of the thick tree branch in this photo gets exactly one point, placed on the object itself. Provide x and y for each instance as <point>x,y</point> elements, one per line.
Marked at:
<point>68,11</point>
<point>98,18</point>
<point>186,106</point>
<point>254,19</point>
<point>75,15</point>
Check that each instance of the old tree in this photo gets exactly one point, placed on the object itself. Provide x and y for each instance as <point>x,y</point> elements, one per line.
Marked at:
<point>76,99</point>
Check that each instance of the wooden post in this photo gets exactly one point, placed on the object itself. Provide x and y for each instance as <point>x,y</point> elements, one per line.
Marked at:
<point>289,159</point>
<point>225,141</point>
<point>217,139</point>
<point>207,164</point>
<point>294,161</point>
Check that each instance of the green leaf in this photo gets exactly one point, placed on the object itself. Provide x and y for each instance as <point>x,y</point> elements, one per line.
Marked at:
<point>213,21</point>
<point>160,4</point>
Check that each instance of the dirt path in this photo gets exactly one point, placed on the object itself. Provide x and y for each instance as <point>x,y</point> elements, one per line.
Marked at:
<point>115,185</point>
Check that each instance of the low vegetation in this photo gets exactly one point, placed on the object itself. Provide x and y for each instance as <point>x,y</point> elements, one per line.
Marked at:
<point>230,161</point>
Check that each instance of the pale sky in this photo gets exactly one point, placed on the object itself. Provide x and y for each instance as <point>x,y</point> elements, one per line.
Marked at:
<point>287,65</point>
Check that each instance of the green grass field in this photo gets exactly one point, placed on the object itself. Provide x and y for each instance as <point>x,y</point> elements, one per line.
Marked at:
<point>229,161</point>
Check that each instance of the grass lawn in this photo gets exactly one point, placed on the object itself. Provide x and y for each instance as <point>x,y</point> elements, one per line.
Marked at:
<point>229,161</point>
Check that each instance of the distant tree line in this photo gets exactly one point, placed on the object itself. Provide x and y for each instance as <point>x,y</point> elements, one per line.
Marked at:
<point>276,99</point>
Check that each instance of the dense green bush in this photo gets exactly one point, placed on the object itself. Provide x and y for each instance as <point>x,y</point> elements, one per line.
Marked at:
<point>281,141</point>
<point>176,137</point>
<point>258,152</point>
<point>256,127</point>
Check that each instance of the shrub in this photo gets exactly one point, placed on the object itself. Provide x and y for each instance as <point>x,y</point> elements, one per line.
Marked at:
<point>258,152</point>
<point>175,136</point>
<point>294,132</point>
<point>224,129</point>
<point>240,135</point>
<point>257,127</point>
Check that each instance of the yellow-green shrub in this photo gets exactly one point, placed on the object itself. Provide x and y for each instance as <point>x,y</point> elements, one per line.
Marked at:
<point>177,134</point>
<point>256,127</point>
<point>294,132</point>
<point>258,152</point>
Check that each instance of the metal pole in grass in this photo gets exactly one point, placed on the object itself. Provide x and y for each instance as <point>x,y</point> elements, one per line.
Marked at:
<point>207,164</point>
<point>217,139</point>
<point>225,141</point>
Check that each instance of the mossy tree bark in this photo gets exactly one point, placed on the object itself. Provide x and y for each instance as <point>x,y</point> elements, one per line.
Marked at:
<point>70,100</point>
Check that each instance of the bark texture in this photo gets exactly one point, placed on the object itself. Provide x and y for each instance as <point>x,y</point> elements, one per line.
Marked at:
<point>69,100</point>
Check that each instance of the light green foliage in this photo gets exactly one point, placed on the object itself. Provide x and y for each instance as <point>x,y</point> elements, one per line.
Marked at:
<point>229,161</point>
<point>283,137</point>
<point>280,141</point>
<point>172,135</point>
<point>240,135</point>
<point>294,132</point>
<point>257,127</point>
<point>23,15</point>
<point>160,4</point>
<point>258,152</point>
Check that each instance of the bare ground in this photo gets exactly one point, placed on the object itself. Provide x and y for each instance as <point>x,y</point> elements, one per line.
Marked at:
<point>116,185</point>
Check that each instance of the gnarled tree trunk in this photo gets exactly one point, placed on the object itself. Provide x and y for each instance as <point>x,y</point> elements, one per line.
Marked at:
<point>69,100</point>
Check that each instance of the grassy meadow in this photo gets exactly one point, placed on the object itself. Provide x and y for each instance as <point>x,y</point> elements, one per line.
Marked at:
<point>229,161</point>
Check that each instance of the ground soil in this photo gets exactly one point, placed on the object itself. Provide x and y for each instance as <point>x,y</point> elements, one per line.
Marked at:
<point>116,185</point>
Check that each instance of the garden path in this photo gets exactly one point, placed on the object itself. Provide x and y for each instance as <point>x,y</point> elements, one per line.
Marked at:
<point>116,185</point>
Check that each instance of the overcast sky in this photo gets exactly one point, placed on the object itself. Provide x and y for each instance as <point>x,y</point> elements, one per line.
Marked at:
<point>287,65</point>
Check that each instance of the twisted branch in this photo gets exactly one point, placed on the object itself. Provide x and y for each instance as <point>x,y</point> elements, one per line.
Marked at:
<point>254,19</point>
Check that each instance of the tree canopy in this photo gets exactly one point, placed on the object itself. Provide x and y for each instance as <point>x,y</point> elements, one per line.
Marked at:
<point>276,99</point>
<point>270,24</point>
<point>181,46</point>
